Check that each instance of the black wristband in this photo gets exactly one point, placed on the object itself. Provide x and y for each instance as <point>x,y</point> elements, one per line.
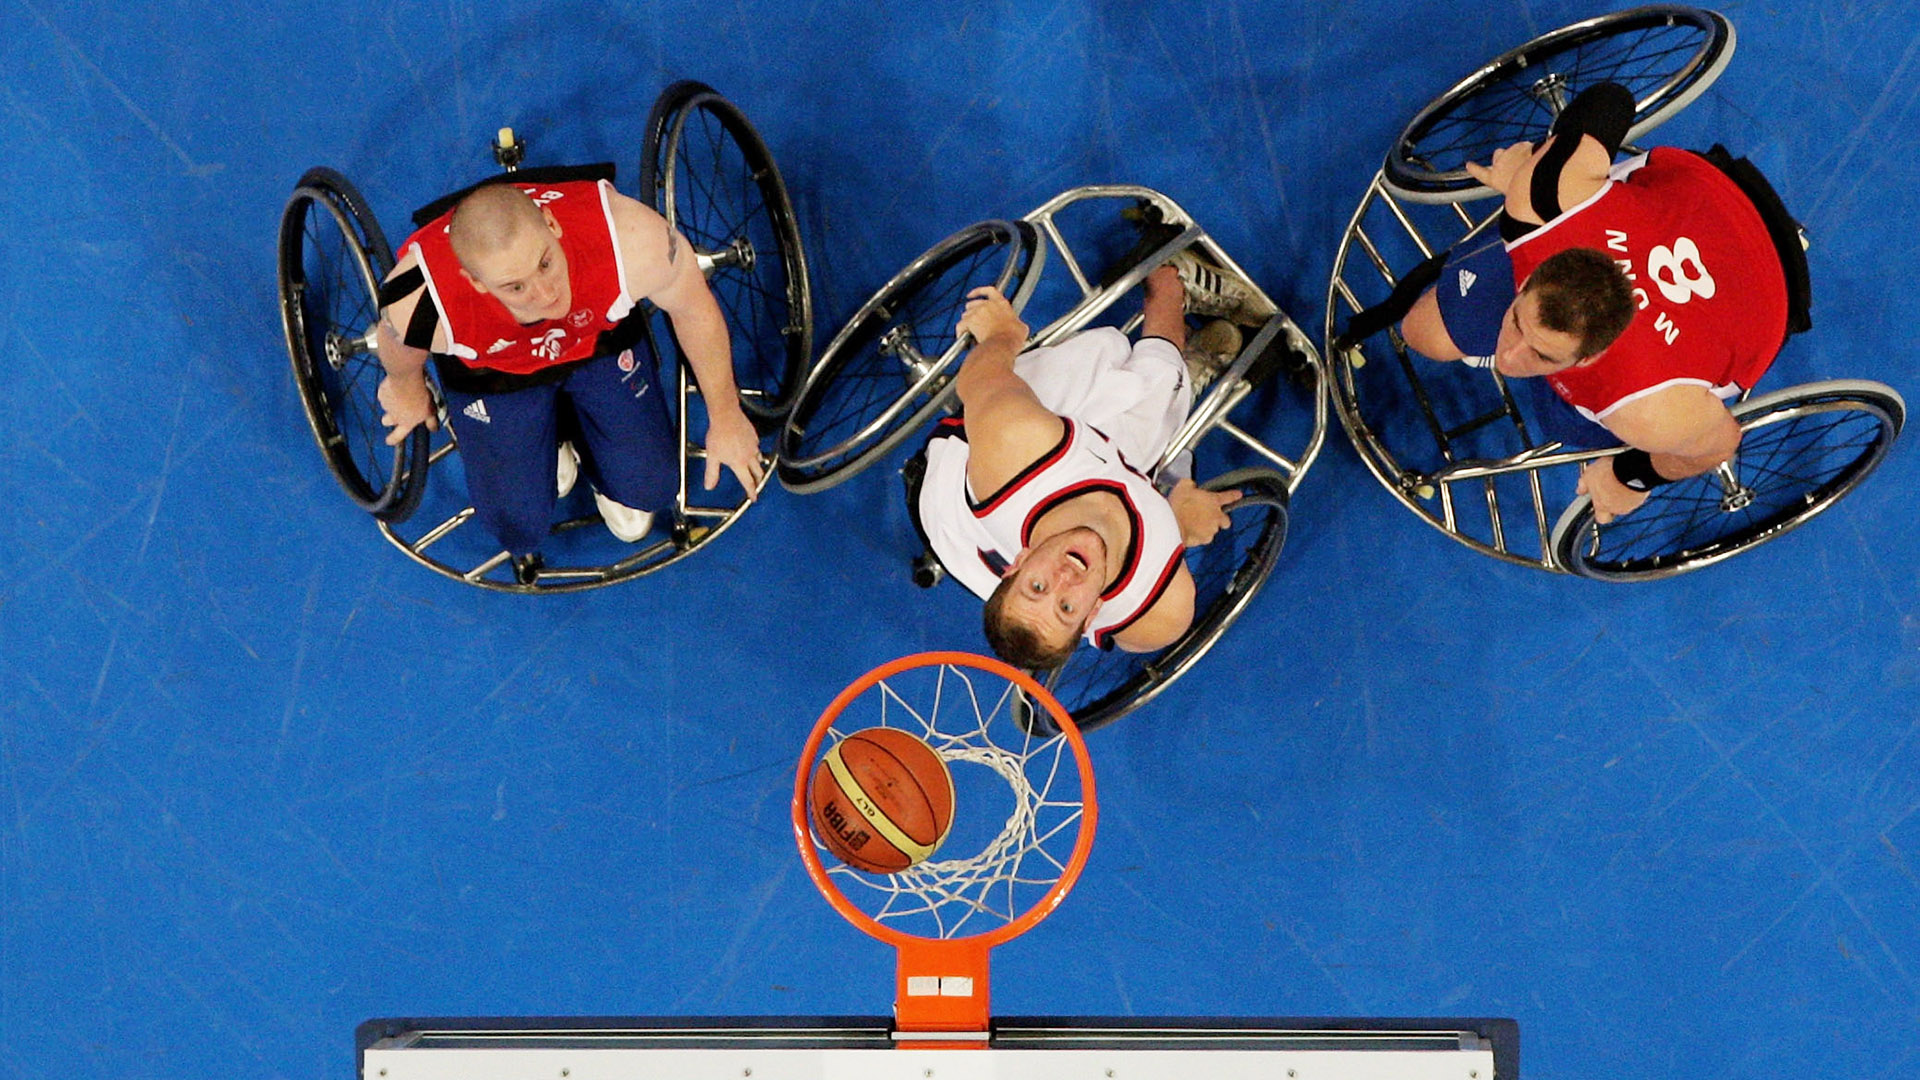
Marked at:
<point>1634,469</point>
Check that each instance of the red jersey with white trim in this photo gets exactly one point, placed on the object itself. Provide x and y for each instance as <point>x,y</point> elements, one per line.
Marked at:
<point>1705,274</point>
<point>977,539</point>
<point>484,334</point>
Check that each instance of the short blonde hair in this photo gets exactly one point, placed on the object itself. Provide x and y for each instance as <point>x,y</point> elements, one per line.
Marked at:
<point>489,220</point>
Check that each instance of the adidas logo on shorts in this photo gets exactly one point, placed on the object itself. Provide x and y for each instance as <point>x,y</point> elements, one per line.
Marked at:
<point>1467,278</point>
<point>478,411</point>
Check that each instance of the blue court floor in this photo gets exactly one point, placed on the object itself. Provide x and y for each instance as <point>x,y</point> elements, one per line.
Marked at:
<point>262,778</point>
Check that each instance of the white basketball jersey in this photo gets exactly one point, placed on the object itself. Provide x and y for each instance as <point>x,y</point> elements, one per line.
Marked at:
<point>976,539</point>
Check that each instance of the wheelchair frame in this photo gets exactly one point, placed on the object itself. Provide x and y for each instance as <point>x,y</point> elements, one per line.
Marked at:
<point>917,385</point>
<point>1840,430</point>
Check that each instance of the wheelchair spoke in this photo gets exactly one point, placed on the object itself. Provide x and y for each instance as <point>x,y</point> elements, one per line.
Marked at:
<point>725,198</point>
<point>1663,58</point>
<point>1787,468</point>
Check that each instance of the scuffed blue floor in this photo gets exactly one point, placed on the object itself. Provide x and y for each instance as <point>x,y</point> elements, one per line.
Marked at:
<point>262,778</point>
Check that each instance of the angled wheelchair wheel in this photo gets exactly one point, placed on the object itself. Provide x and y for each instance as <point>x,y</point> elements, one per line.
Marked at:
<point>705,168</point>
<point>891,368</point>
<point>1801,449</point>
<point>332,259</point>
<point>1666,55</point>
<point>1098,687</point>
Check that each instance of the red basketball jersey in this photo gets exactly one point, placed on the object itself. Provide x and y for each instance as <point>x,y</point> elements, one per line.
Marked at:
<point>485,335</point>
<point>1706,277</point>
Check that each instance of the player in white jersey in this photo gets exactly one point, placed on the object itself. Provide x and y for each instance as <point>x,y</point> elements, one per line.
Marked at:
<point>1032,504</point>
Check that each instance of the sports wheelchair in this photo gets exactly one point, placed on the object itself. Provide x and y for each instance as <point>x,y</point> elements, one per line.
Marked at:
<point>1458,447</point>
<point>706,169</point>
<point>889,372</point>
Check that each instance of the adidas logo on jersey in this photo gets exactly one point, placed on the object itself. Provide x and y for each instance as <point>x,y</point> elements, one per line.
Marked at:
<point>478,411</point>
<point>1467,278</point>
<point>503,343</point>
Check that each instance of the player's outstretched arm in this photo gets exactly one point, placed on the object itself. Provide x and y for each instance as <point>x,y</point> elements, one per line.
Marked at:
<point>1007,427</point>
<point>661,268</point>
<point>403,393</point>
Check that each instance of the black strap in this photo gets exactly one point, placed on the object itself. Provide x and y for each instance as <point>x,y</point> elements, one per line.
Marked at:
<point>1512,228</point>
<point>426,319</point>
<point>398,288</point>
<point>1406,293</point>
<point>1604,111</point>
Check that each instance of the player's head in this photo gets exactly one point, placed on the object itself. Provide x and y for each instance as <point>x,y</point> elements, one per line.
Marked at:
<point>1573,305</point>
<point>509,248</point>
<point>1037,613</point>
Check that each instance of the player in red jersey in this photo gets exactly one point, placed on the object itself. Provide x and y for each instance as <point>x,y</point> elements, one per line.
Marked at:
<point>519,294</point>
<point>1709,304</point>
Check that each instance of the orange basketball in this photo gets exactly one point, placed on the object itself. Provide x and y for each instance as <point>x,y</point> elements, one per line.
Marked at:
<point>882,800</point>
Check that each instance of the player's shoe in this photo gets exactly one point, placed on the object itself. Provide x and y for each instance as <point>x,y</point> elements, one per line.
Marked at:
<point>1211,350</point>
<point>623,521</point>
<point>568,469</point>
<point>1216,295</point>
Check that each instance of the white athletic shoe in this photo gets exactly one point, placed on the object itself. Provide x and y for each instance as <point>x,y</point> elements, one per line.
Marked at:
<point>623,521</point>
<point>1212,293</point>
<point>569,468</point>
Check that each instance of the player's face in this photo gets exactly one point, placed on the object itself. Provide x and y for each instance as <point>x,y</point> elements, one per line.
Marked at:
<point>1527,348</point>
<point>529,275</point>
<point>1057,583</point>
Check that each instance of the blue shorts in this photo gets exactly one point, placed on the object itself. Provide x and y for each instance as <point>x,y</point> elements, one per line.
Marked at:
<point>509,445</point>
<point>1474,291</point>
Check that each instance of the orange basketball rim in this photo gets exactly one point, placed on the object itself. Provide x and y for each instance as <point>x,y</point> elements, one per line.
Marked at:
<point>941,985</point>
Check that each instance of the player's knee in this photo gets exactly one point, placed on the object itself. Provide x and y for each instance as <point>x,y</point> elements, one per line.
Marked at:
<point>645,478</point>
<point>520,525</point>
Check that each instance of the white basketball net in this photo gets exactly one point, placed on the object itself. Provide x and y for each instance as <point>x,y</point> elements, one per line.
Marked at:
<point>941,896</point>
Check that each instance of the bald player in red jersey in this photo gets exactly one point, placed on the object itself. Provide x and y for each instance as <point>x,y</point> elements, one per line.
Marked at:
<point>518,293</point>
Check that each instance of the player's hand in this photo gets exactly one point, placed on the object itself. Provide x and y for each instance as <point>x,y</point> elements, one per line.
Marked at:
<point>732,442</point>
<point>1201,513</point>
<point>1165,281</point>
<point>990,318</point>
<point>1611,498</point>
<point>408,404</point>
<point>1507,162</point>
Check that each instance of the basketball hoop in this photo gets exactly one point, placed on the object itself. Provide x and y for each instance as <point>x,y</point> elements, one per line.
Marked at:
<point>986,885</point>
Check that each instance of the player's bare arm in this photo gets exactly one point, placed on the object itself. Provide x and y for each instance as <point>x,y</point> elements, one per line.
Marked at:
<point>1201,513</point>
<point>403,393</point>
<point>1512,171</point>
<point>1007,427</point>
<point>1684,430</point>
<point>1165,621</point>
<point>661,268</point>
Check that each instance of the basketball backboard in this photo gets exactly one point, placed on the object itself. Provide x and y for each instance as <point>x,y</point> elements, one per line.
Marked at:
<point>869,1048</point>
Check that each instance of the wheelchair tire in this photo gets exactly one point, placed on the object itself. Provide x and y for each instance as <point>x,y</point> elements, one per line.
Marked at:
<point>333,257</point>
<point>1801,449</point>
<point>707,171</point>
<point>1098,687</point>
<point>1667,55</point>
<point>891,368</point>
